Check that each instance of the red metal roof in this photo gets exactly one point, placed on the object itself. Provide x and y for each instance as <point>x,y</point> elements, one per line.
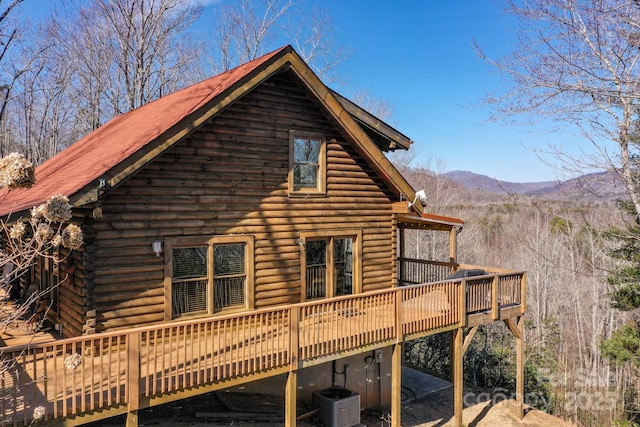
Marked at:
<point>92,156</point>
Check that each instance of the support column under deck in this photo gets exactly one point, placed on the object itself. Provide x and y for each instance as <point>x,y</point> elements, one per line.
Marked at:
<point>132,419</point>
<point>290,398</point>
<point>458,375</point>
<point>396,385</point>
<point>517,329</point>
<point>520,367</point>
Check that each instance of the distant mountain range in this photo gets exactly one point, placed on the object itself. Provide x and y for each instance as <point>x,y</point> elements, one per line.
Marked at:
<point>603,185</point>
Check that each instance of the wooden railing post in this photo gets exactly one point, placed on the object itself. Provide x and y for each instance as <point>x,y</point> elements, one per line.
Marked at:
<point>495,309</point>
<point>523,293</point>
<point>398,316</point>
<point>462,303</point>
<point>133,378</point>
<point>294,338</point>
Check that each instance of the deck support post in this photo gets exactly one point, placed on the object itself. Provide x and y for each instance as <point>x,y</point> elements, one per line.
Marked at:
<point>458,374</point>
<point>132,419</point>
<point>396,385</point>
<point>290,398</point>
<point>517,329</point>
<point>520,367</point>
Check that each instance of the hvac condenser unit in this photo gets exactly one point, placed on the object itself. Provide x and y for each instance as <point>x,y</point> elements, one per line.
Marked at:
<point>338,407</point>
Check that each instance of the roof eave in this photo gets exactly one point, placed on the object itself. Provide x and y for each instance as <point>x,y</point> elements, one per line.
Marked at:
<point>430,221</point>
<point>394,138</point>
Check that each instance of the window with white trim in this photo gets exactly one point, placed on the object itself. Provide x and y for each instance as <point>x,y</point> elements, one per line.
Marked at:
<point>206,277</point>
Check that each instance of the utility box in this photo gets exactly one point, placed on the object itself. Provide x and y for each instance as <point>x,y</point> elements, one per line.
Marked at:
<point>338,407</point>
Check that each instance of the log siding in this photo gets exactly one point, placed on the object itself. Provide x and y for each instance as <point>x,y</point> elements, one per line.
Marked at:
<point>231,177</point>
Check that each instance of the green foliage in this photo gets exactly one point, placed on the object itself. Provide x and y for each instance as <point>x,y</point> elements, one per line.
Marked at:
<point>626,295</point>
<point>492,227</point>
<point>545,356</point>
<point>430,354</point>
<point>561,225</point>
<point>489,363</point>
<point>624,423</point>
<point>537,388</point>
<point>623,346</point>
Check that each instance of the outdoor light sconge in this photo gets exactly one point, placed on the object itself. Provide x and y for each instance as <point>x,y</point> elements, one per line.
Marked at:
<point>157,247</point>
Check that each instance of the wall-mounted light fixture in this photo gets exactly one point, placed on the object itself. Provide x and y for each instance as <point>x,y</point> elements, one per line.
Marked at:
<point>157,247</point>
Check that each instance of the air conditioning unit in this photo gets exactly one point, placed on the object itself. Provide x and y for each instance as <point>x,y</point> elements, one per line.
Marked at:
<point>338,407</point>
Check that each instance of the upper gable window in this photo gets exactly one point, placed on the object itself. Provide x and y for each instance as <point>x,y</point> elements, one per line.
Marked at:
<point>306,163</point>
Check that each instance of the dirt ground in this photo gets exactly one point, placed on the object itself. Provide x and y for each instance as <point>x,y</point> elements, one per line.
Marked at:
<point>436,410</point>
<point>486,414</point>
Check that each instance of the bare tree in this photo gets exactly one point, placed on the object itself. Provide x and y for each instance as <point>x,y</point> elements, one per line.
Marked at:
<point>243,29</point>
<point>246,29</point>
<point>378,107</point>
<point>42,112</point>
<point>121,54</point>
<point>92,60</point>
<point>577,62</point>
<point>8,36</point>
<point>313,40</point>
<point>12,66</point>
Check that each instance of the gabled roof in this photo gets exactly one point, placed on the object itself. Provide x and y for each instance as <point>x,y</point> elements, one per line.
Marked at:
<point>119,148</point>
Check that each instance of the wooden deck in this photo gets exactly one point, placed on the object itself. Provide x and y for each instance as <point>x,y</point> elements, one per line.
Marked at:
<point>91,377</point>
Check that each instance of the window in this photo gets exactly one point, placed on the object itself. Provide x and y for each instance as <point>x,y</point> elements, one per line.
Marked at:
<point>331,264</point>
<point>307,163</point>
<point>208,277</point>
<point>50,280</point>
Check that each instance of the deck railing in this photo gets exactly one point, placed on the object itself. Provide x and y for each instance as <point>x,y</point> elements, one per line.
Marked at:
<point>414,271</point>
<point>120,369</point>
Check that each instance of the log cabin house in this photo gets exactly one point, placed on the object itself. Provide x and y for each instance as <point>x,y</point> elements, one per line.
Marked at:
<point>244,232</point>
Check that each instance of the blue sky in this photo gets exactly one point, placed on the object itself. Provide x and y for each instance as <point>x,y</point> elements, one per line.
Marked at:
<point>418,56</point>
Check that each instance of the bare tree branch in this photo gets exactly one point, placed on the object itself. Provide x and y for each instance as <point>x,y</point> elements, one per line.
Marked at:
<point>577,62</point>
